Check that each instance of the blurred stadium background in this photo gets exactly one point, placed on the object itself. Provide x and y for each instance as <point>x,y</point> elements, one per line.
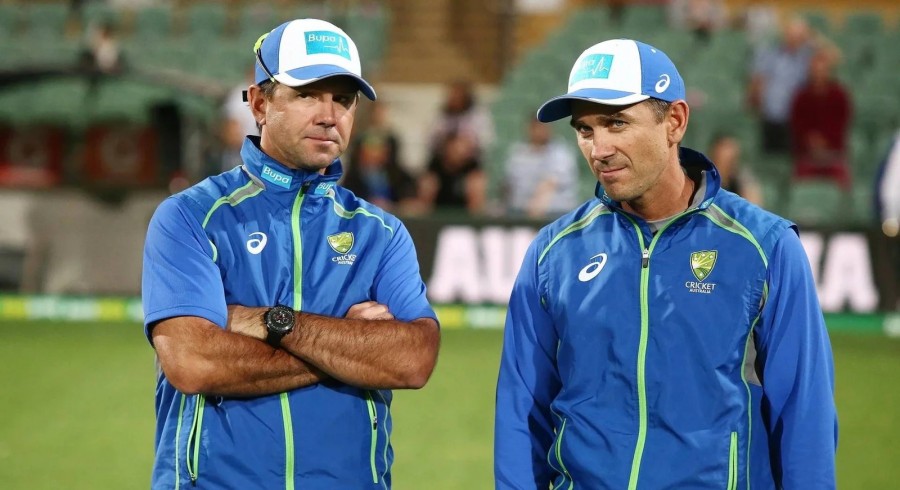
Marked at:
<point>87,154</point>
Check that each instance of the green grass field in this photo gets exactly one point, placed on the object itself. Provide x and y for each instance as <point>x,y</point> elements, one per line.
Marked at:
<point>76,410</point>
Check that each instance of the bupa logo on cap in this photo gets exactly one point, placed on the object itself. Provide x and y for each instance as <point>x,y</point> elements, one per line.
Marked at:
<point>276,177</point>
<point>593,66</point>
<point>326,42</point>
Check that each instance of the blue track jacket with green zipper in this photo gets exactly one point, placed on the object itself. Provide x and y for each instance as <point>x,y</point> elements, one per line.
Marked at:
<point>259,235</point>
<point>695,357</point>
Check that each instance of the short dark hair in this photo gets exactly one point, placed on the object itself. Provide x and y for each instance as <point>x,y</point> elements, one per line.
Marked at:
<point>659,107</point>
<point>267,87</point>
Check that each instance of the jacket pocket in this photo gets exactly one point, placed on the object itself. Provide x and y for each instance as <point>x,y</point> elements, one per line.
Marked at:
<point>373,424</point>
<point>733,462</point>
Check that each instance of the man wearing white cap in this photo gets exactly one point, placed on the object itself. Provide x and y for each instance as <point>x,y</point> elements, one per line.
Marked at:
<point>282,308</point>
<point>665,334</point>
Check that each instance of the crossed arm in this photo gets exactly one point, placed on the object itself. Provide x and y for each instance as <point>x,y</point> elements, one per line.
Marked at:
<point>368,348</point>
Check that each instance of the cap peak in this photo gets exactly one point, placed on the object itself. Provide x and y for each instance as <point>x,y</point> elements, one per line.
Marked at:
<point>617,72</point>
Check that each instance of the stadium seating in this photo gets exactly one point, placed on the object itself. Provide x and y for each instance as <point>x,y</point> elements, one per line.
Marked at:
<point>638,18</point>
<point>863,24</point>
<point>9,21</point>
<point>206,22</point>
<point>152,24</point>
<point>254,19</point>
<point>94,13</point>
<point>818,202</point>
<point>45,22</point>
<point>203,40</point>
<point>818,20</point>
<point>715,75</point>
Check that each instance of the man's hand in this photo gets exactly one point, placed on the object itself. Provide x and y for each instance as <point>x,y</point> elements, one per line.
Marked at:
<point>250,322</point>
<point>369,310</point>
<point>247,321</point>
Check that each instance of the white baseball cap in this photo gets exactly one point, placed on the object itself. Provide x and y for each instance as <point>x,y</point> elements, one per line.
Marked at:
<point>617,72</point>
<point>304,51</point>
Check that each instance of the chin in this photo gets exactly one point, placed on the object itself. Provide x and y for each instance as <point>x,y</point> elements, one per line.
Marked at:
<point>617,194</point>
<point>317,161</point>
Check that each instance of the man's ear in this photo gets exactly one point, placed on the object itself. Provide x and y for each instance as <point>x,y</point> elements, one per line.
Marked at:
<point>256,98</point>
<point>677,119</point>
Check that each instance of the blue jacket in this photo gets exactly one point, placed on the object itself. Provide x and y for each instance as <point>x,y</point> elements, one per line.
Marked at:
<point>693,358</point>
<point>259,235</point>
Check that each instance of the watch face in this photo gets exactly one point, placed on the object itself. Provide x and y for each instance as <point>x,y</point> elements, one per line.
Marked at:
<point>281,319</point>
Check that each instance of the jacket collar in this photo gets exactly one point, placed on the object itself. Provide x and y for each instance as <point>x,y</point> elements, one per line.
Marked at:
<point>275,176</point>
<point>688,158</point>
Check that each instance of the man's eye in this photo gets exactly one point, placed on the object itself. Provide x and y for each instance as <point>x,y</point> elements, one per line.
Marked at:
<point>344,100</point>
<point>617,123</point>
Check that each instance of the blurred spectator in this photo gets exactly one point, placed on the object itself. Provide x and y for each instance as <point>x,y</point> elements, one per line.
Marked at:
<point>702,17</point>
<point>462,115</point>
<point>374,172</point>
<point>887,190</point>
<point>454,178</point>
<point>103,51</point>
<point>73,16</point>
<point>778,72</point>
<point>725,153</point>
<point>617,9</point>
<point>759,23</point>
<point>541,173</point>
<point>237,122</point>
<point>887,208</point>
<point>820,118</point>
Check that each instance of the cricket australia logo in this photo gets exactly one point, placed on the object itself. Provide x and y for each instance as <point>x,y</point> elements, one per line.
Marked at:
<point>702,264</point>
<point>342,243</point>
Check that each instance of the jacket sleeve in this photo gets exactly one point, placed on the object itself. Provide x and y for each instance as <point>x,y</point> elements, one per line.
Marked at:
<point>798,373</point>
<point>398,283</point>
<point>180,276</point>
<point>528,382</point>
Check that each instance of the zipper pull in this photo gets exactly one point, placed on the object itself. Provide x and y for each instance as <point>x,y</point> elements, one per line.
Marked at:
<point>374,423</point>
<point>645,259</point>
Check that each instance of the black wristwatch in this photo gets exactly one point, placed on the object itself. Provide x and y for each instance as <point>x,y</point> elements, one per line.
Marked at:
<point>279,322</point>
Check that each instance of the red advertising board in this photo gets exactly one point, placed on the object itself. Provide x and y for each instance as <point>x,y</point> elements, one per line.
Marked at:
<point>31,156</point>
<point>121,155</point>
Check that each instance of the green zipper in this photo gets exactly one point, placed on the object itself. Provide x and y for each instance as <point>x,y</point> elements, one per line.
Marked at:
<point>387,435</point>
<point>177,440</point>
<point>288,442</point>
<point>559,437</point>
<point>286,418</point>
<point>298,248</point>
<point>373,421</point>
<point>642,346</point>
<point>193,460</point>
<point>732,462</point>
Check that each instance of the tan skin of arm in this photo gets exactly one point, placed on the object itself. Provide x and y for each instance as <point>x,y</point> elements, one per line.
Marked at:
<point>368,349</point>
<point>199,357</point>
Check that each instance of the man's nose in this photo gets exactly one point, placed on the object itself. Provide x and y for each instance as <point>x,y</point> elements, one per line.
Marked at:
<point>602,148</point>
<point>325,111</point>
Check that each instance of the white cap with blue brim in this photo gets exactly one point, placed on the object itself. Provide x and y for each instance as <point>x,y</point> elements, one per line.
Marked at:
<point>304,51</point>
<point>617,72</point>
